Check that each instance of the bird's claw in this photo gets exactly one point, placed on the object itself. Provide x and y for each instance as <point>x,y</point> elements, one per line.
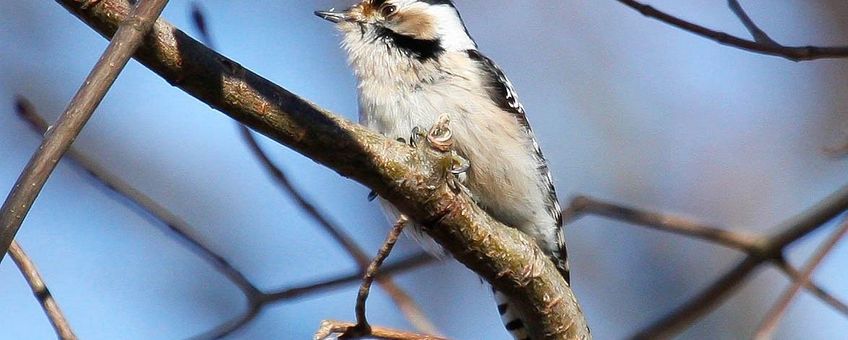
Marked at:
<point>416,136</point>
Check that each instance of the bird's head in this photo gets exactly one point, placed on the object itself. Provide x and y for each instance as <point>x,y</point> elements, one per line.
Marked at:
<point>420,28</point>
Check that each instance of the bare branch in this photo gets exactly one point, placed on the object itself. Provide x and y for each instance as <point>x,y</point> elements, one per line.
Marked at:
<point>773,317</point>
<point>176,225</point>
<point>814,288</point>
<point>405,303</point>
<point>362,326</point>
<point>42,294</point>
<point>758,34</point>
<point>330,328</point>
<point>586,205</point>
<point>760,249</point>
<point>184,233</point>
<point>772,250</point>
<point>412,180</point>
<point>793,53</point>
<point>230,327</point>
<point>702,303</point>
<point>127,39</point>
<point>402,266</point>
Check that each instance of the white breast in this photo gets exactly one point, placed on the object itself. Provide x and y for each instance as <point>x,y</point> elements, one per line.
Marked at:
<point>398,93</point>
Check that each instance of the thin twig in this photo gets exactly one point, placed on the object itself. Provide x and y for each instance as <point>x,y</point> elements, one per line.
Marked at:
<point>814,288</point>
<point>288,294</point>
<point>363,327</point>
<point>793,53</point>
<point>702,303</point>
<point>330,328</point>
<point>760,249</point>
<point>758,34</point>
<point>405,303</point>
<point>176,225</point>
<point>127,39</point>
<point>42,294</point>
<point>586,205</point>
<point>408,264</point>
<point>789,231</point>
<point>179,228</point>
<point>776,312</point>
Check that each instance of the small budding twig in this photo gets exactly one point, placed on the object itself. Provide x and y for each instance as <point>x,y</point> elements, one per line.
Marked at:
<point>42,294</point>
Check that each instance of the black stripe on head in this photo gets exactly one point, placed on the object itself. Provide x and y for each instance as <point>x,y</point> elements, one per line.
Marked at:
<point>378,3</point>
<point>421,49</point>
<point>435,2</point>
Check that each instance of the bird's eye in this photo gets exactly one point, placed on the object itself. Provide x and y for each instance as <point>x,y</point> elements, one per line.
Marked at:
<point>388,10</point>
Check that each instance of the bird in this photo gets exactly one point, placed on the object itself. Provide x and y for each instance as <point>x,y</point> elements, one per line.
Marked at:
<point>415,61</point>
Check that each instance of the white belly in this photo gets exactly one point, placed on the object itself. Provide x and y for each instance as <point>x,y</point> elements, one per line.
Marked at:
<point>504,177</point>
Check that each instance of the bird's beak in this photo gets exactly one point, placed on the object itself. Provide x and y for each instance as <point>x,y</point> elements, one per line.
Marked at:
<point>334,17</point>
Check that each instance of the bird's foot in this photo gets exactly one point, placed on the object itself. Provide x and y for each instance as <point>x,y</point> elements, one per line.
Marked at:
<point>440,138</point>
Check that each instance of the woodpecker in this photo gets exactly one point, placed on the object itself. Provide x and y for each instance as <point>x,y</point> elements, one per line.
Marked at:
<point>416,62</point>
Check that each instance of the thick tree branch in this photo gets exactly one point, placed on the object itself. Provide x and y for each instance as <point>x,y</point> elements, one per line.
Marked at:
<point>127,38</point>
<point>762,44</point>
<point>42,294</point>
<point>184,233</point>
<point>412,180</point>
<point>404,302</point>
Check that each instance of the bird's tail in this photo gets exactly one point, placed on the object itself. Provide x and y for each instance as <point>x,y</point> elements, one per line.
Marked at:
<point>509,315</point>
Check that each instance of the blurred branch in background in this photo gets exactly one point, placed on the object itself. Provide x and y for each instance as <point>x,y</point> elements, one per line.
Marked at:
<point>405,303</point>
<point>56,142</point>
<point>759,249</point>
<point>774,315</point>
<point>761,44</point>
<point>42,294</point>
<point>182,231</point>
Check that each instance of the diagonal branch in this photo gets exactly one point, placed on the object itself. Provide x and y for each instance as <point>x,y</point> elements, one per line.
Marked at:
<point>362,326</point>
<point>176,225</point>
<point>183,232</point>
<point>793,53</point>
<point>42,294</point>
<point>814,288</point>
<point>404,302</point>
<point>126,40</point>
<point>586,205</point>
<point>773,316</point>
<point>412,180</point>
<point>760,249</point>
<point>758,34</point>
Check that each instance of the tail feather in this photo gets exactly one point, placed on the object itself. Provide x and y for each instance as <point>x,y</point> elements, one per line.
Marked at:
<point>510,318</point>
